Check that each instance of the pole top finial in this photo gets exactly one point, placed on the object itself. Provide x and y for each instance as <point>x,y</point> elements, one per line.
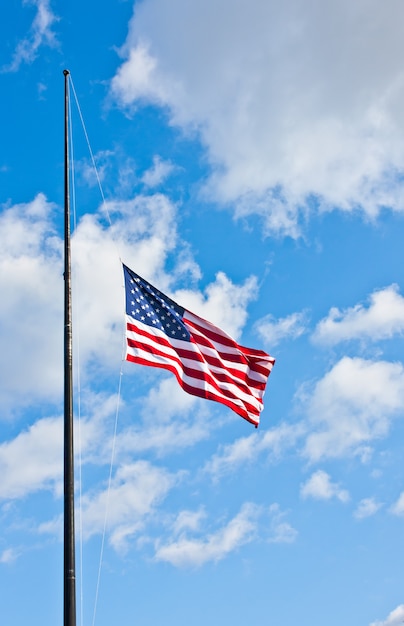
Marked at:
<point>66,72</point>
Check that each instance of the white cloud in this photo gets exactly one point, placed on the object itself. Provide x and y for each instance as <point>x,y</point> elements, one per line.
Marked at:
<point>158,173</point>
<point>398,507</point>
<point>33,460</point>
<point>320,487</point>
<point>280,530</point>
<point>163,433</point>
<point>135,491</point>
<point>143,232</point>
<point>121,510</point>
<point>9,555</point>
<point>223,303</point>
<point>189,520</point>
<point>284,110</point>
<point>168,394</point>
<point>93,175</point>
<point>171,419</point>
<point>40,34</point>
<point>184,552</point>
<point>31,284</point>
<point>395,618</point>
<point>366,508</point>
<point>352,405</point>
<point>274,331</point>
<point>246,450</point>
<point>382,319</point>
<point>135,79</point>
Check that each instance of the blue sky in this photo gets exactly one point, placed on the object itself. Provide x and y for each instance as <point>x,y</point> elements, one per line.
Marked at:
<point>251,159</point>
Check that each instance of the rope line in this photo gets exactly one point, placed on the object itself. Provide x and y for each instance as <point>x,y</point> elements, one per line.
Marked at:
<point>107,500</point>
<point>104,202</point>
<point>78,374</point>
<point>118,401</point>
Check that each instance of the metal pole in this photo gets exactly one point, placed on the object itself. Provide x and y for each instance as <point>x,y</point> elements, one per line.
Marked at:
<point>69,566</point>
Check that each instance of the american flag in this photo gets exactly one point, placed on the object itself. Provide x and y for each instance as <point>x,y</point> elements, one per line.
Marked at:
<point>205,360</point>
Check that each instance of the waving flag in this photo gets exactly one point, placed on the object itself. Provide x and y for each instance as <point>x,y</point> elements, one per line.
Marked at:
<point>205,360</point>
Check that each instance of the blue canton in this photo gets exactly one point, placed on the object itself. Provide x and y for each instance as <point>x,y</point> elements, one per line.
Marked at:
<point>150,306</point>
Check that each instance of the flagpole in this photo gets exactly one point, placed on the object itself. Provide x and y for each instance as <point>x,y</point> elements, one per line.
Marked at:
<point>69,567</point>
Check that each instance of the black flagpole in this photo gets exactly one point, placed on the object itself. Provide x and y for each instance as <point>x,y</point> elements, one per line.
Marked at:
<point>69,567</point>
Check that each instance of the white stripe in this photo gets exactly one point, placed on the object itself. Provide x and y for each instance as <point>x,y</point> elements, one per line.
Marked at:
<point>196,349</point>
<point>195,383</point>
<point>169,353</point>
<point>224,350</point>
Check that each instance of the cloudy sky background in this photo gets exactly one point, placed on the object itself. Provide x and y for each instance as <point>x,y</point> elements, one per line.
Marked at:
<point>249,162</point>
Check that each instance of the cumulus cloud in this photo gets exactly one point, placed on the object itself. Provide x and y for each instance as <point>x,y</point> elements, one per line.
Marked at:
<point>172,420</point>
<point>382,319</point>
<point>33,460</point>
<point>320,487</point>
<point>246,450</point>
<point>135,491</point>
<point>143,232</point>
<point>366,508</point>
<point>223,303</point>
<point>40,34</point>
<point>31,284</point>
<point>122,507</point>
<point>398,506</point>
<point>285,112</point>
<point>158,173</point>
<point>280,530</point>
<point>352,405</point>
<point>9,555</point>
<point>188,520</point>
<point>395,618</point>
<point>186,552</point>
<point>274,331</point>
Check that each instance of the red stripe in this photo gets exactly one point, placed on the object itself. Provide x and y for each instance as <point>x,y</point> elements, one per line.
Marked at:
<point>202,358</point>
<point>216,352</point>
<point>196,374</point>
<point>201,393</point>
<point>239,354</point>
<point>208,329</point>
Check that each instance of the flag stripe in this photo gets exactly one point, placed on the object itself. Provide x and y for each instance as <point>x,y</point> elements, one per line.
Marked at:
<point>193,350</point>
<point>198,386</point>
<point>197,369</point>
<point>201,393</point>
<point>158,350</point>
<point>207,329</point>
<point>258,362</point>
